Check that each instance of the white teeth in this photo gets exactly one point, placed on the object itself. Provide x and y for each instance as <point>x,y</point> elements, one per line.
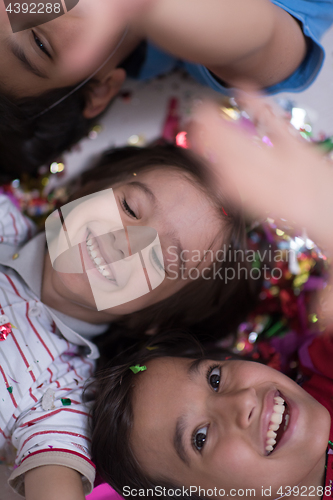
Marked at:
<point>98,260</point>
<point>275,421</point>
<point>286,419</point>
<point>278,409</point>
<point>276,418</point>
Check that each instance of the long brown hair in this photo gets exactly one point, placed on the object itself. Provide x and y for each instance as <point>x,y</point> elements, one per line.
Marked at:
<point>225,304</point>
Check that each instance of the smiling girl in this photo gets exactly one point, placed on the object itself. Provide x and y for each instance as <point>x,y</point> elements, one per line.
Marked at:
<point>212,425</point>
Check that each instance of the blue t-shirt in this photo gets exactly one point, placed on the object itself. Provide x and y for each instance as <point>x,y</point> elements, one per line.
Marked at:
<point>316,16</point>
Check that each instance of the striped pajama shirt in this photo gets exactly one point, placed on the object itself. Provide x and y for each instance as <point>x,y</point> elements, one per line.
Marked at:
<point>43,420</point>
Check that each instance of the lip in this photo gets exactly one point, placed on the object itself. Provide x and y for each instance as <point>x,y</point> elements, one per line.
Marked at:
<point>90,265</point>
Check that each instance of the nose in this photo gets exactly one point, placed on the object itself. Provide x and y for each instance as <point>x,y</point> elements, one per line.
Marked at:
<point>236,407</point>
<point>133,239</point>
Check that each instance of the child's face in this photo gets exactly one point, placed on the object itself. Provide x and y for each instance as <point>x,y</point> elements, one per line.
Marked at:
<point>59,53</point>
<point>206,425</point>
<point>163,199</point>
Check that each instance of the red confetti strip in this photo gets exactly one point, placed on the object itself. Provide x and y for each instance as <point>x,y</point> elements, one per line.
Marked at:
<point>5,330</point>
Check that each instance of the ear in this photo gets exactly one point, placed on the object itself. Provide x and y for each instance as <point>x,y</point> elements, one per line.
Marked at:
<point>100,92</point>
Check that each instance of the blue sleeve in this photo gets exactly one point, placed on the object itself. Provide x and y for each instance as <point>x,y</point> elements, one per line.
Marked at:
<point>316,16</point>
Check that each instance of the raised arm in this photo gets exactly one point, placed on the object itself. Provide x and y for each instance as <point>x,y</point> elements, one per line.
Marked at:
<point>291,179</point>
<point>251,39</point>
<point>52,482</point>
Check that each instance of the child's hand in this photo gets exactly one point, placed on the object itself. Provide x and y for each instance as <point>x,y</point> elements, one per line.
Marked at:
<point>290,179</point>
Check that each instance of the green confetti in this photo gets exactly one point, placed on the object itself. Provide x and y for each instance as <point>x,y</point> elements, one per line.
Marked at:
<point>137,368</point>
<point>66,401</point>
<point>10,389</point>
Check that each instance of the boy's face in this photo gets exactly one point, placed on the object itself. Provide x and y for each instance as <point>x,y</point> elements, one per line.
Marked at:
<point>59,53</point>
<point>206,425</point>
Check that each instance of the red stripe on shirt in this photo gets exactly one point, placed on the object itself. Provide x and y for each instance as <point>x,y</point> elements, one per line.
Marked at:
<point>4,435</point>
<point>50,381</point>
<point>71,368</point>
<point>14,287</point>
<point>14,223</point>
<point>38,336</point>
<point>33,397</point>
<point>7,385</point>
<point>54,413</point>
<point>54,432</point>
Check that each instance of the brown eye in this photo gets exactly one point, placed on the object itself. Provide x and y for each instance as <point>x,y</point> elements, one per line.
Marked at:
<point>199,438</point>
<point>214,378</point>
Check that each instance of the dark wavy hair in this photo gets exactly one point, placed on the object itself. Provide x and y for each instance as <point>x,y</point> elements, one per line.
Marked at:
<point>29,139</point>
<point>225,304</point>
<point>112,412</point>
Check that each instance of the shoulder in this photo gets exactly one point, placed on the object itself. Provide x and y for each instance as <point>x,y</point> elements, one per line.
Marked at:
<point>15,228</point>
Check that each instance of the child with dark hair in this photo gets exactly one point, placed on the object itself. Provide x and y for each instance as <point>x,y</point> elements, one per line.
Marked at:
<point>274,44</point>
<point>177,421</point>
<point>49,308</point>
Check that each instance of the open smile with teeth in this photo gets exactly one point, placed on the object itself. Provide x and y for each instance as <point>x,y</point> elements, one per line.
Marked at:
<point>278,423</point>
<point>97,259</point>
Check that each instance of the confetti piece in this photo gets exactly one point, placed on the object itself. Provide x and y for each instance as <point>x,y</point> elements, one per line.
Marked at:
<point>152,348</point>
<point>66,401</point>
<point>10,389</point>
<point>48,400</point>
<point>137,368</point>
<point>5,330</point>
<point>16,382</point>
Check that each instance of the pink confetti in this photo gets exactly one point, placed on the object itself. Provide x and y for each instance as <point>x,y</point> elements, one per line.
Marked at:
<point>5,330</point>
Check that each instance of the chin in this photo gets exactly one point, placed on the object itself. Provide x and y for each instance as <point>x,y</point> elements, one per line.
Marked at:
<point>75,288</point>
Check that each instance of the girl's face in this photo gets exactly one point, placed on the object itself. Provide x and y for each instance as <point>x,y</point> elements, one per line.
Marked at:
<point>207,424</point>
<point>61,52</point>
<point>160,213</point>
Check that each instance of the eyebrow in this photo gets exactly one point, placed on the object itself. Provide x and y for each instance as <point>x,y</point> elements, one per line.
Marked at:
<point>20,55</point>
<point>178,440</point>
<point>181,424</point>
<point>145,189</point>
